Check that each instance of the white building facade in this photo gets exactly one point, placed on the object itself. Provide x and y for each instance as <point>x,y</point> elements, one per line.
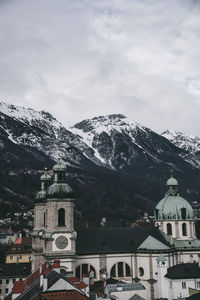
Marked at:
<point>128,254</point>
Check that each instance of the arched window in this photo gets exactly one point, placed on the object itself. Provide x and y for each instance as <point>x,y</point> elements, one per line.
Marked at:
<point>85,269</point>
<point>61,217</point>
<point>156,213</point>
<point>121,269</point>
<point>194,229</point>
<point>44,219</point>
<point>141,271</point>
<point>183,213</point>
<point>184,229</point>
<point>169,229</point>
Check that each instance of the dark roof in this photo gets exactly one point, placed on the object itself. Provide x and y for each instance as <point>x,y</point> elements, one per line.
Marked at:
<point>15,270</point>
<point>194,297</point>
<point>183,271</point>
<point>21,248</point>
<point>114,240</point>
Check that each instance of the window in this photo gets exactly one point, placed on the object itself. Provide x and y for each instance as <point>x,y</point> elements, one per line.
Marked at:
<point>7,281</point>
<point>183,285</point>
<point>85,269</point>
<point>156,213</point>
<point>0,281</point>
<point>61,217</point>
<point>170,285</point>
<point>6,291</point>
<point>183,213</point>
<point>20,256</point>
<point>11,257</point>
<point>0,291</point>
<point>184,229</point>
<point>169,229</point>
<point>44,219</point>
<point>141,271</point>
<point>13,280</point>
<point>121,269</point>
<point>198,284</point>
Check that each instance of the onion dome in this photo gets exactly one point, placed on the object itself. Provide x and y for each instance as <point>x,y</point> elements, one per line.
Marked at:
<point>41,196</point>
<point>173,206</point>
<point>45,182</point>
<point>59,167</point>
<point>45,176</point>
<point>59,190</point>
<point>172,181</point>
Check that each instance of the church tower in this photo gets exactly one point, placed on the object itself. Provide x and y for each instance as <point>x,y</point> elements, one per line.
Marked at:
<point>53,233</point>
<point>174,215</point>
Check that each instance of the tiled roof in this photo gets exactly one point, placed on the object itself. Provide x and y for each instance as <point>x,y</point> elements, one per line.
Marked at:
<point>115,240</point>
<point>63,295</point>
<point>21,246</point>
<point>19,287</point>
<point>73,279</point>
<point>81,285</point>
<point>125,287</point>
<point>15,270</point>
<point>184,271</point>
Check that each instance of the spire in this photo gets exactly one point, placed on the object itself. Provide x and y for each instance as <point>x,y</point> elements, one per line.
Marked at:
<point>59,171</point>
<point>172,183</point>
<point>45,182</point>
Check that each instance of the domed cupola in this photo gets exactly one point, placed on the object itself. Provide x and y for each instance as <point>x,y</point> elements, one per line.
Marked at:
<point>174,215</point>
<point>59,188</point>
<point>45,182</point>
<point>173,206</point>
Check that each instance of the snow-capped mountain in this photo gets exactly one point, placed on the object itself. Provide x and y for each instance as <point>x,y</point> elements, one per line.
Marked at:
<point>119,143</point>
<point>114,163</point>
<point>28,127</point>
<point>187,142</point>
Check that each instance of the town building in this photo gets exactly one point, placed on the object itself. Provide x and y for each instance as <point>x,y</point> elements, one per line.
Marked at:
<point>128,254</point>
<point>20,251</point>
<point>9,274</point>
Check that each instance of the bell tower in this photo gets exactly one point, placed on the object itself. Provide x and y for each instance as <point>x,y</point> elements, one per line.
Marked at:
<point>53,234</point>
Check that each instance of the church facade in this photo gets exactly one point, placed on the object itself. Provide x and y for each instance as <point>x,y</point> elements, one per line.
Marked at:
<point>129,254</point>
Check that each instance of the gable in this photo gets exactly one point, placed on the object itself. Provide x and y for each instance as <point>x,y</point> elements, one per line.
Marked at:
<point>150,243</point>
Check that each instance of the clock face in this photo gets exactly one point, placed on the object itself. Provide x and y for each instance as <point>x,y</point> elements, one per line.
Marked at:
<point>61,242</point>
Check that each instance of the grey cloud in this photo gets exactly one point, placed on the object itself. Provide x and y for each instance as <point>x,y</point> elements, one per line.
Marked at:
<point>83,58</point>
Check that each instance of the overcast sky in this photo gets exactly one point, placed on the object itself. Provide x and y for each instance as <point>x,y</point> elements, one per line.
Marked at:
<point>83,58</point>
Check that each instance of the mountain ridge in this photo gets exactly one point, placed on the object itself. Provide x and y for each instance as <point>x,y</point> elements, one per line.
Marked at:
<point>117,167</point>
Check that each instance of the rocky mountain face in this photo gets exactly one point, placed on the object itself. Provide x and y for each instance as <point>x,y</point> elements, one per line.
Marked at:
<point>117,168</point>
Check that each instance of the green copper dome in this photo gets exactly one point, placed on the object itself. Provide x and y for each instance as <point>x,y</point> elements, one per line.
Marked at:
<point>41,196</point>
<point>59,190</point>
<point>173,206</point>
<point>45,177</point>
<point>59,167</point>
<point>172,181</point>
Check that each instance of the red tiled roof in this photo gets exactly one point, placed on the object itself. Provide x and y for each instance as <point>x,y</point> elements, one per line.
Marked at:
<point>85,275</point>
<point>18,241</point>
<point>19,287</point>
<point>56,263</point>
<point>81,285</point>
<point>73,279</point>
<point>33,277</point>
<point>64,295</point>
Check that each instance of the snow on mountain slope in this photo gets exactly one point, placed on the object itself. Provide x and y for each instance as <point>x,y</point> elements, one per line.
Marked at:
<point>187,142</point>
<point>41,130</point>
<point>119,143</point>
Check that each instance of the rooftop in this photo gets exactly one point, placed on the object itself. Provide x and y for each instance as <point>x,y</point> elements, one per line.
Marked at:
<point>183,271</point>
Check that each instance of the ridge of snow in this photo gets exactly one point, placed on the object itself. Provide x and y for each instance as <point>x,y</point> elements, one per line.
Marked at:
<point>27,114</point>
